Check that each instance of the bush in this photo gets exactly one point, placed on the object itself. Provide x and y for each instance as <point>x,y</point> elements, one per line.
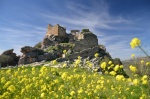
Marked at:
<point>117,61</point>
<point>38,45</point>
<point>52,49</point>
<point>85,30</point>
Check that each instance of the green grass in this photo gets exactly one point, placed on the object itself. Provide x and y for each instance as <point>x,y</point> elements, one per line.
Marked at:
<point>66,83</point>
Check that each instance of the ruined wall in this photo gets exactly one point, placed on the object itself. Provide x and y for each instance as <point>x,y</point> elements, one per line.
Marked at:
<point>86,40</point>
<point>56,30</point>
<point>52,30</point>
<point>80,36</point>
<point>61,31</point>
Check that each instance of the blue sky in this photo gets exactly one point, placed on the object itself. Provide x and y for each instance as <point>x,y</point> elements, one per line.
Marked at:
<point>115,22</point>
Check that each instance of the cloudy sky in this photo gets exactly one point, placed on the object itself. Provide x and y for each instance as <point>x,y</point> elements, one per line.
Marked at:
<point>115,22</point>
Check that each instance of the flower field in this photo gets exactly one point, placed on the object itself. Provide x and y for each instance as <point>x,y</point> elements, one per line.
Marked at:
<point>76,81</point>
<point>69,83</point>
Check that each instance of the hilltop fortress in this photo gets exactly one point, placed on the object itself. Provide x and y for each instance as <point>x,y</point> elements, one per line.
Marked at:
<point>76,43</point>
<point>57,34</point>
<point>63,47</point>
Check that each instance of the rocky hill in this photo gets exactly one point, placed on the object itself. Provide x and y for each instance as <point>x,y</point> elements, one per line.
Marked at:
<point>55,42</point>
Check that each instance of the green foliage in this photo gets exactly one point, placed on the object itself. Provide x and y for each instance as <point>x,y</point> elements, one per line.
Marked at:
<point>106,59</point>
<point>69,45</point>
<point>117,61</point>
<point>38,45</point>
<point>60,48</point>
<point>74,83</point>
<point>85,30</point>
<point>51,49</point>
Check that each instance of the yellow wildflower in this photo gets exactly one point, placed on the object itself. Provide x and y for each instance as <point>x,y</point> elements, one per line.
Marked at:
<point>64,75</point>
<point>144,79</point>
<point>79,57</point>
<point>103,65</point>
<point>113,73</point>
<point>11,88</point>
<point>106,72</point>
<point>133,68</point>
<point>65,65</point>
<point>3,80</point>
<point>142,61</point>
<point>96,55</point>
<point>144,82</point>
<point>42,95</point>
<point>143,96</point>
<point>129,80</point>
<point>64,51</point>
<point>121,66</point>
<point>147,63</point>
<point>120,77</point>
<point>135,42</point>
<point>110,62</point>
<point>8,71</point>
<point>116,68</point>
<point>80,90</point>
<point>6,84</point>
<point>72,93</point>
<point>132,55</point>
<point>135,82</point>
<point>54,62</point>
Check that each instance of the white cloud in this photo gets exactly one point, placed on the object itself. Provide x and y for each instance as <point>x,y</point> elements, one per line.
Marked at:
<point>77,16</point>
<point>96,18</point>
<point>22,35</point>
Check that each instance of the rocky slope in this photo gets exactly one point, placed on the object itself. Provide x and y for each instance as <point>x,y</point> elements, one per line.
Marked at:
<point>84,44</point>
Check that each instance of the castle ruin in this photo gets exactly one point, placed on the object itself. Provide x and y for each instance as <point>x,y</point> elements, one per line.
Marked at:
<point>56,30</point>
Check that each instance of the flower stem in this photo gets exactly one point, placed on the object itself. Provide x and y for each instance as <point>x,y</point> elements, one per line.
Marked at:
<point>144,51</point>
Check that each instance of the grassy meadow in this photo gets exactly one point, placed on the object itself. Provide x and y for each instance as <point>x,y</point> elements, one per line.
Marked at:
<point>69,83</point>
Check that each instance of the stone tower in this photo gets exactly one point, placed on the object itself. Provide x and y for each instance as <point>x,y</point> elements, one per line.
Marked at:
<point>56,30</point>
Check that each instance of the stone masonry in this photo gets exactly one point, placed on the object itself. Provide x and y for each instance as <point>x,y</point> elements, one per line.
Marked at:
<point>56,30</point>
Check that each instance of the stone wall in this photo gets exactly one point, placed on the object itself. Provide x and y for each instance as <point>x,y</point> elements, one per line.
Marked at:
<point>61,31</point>
<point>52,30</point>
<point>56,30</point>
<point>86,40</point>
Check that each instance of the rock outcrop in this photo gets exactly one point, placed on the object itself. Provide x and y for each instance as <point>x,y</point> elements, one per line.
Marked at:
<point>90,52</point>
<point>85,40</point>
<point>84,44</point>
<point>8,57</point>
<point>56,40</point>
<point>31,54</point>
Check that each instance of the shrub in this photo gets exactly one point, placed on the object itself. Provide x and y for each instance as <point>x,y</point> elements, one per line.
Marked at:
<point>85,30</point>
<point>38,45</point>
<point>51,49</point>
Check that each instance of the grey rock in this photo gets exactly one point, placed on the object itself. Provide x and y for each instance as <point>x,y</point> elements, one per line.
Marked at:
<point>8,57</point>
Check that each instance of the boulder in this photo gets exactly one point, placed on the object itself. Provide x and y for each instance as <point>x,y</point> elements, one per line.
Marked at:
<point>8,57</point>
<point>31,54</point>
<point>46,42</point>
